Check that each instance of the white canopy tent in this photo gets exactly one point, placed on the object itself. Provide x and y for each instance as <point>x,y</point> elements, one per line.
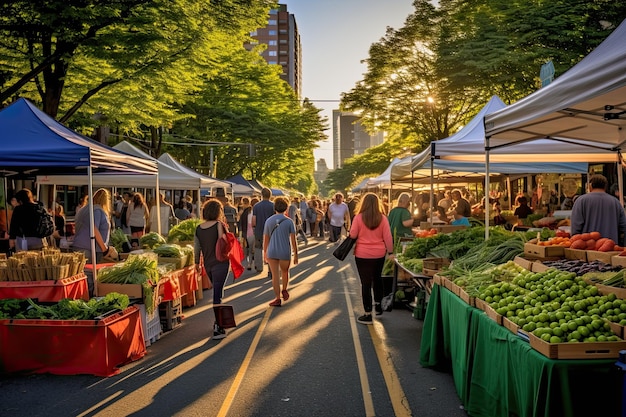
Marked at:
<point>168,160</point>
<point>584,107</point>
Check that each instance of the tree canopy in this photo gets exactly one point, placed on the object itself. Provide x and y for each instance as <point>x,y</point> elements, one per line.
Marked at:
<point>427,79</point>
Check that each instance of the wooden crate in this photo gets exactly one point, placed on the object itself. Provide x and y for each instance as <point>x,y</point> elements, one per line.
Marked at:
<point>435,263</point>
<point>489,311</point>
<point>594,350</point>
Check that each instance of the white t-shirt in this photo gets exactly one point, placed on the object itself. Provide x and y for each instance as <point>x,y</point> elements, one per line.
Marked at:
<point>337,213</point>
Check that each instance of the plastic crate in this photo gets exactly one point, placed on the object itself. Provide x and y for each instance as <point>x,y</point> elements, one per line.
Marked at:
<point>151,324</point>
<point>171,314</point>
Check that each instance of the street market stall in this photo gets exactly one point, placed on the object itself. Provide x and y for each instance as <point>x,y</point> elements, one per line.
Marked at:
<point>496,373</point>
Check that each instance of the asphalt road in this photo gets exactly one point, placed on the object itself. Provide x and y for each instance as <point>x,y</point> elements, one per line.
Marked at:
<point>307,358</point>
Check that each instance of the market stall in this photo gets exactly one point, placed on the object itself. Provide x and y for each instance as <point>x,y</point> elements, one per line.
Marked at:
<point>496,373</point>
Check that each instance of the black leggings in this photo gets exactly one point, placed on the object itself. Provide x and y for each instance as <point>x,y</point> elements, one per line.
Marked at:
<point>370,270</point>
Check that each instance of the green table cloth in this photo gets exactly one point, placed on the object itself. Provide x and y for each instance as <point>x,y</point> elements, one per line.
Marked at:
<point>498,374</point>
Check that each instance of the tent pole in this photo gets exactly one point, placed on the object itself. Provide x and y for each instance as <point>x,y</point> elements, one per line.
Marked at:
<point>620,177</point>
<point>432,189</point>
<point>487,188</point>
<point>92,234</point>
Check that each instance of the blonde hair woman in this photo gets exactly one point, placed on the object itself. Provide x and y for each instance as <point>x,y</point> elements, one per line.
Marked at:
<point>373,237</point>
<point>102,230</point>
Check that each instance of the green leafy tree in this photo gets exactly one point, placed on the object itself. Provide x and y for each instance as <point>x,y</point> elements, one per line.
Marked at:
<point>52,45</point>
<point>247,104</point>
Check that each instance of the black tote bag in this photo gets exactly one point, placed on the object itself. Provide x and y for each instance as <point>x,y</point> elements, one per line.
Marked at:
<point>344,248</point>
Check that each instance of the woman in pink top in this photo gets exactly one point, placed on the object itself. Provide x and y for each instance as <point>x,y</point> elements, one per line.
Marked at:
<point>373,237</point>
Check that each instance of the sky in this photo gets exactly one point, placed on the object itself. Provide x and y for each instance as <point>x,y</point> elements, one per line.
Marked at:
<point>335,37</point>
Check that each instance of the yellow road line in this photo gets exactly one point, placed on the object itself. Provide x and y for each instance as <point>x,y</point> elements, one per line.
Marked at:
<point>396,393</point>
<point>230,396</point>
<point>365,386</point>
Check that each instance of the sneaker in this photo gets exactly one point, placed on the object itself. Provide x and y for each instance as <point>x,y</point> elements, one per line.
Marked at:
<point>218,332</point>
<point>378,308</point>
<point>365,319</point>
<point>275,303</point>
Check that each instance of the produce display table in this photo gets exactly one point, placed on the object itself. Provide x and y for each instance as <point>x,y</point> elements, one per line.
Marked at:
<point>169,287</point>
<point>498,374</point>
<point>414,280</point>
<point>69,347</point>
<point>188,284</point>
<point>47,291</point>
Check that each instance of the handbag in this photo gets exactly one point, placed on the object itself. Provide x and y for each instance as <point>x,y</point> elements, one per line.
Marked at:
<point>344,248</point>
<point>225,316</point>
<point>223,246</point>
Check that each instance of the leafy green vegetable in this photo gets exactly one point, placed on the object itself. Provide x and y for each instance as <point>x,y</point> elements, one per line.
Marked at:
<point>137,269</point>
<point>169,250</point>
<point>151,240</point>
<point>183,231</point>
<point>117,239</point>
<point>65,309</point>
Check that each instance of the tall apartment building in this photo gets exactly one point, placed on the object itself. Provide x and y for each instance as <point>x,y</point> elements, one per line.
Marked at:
<point>350,137</point>
<point>283,45</point>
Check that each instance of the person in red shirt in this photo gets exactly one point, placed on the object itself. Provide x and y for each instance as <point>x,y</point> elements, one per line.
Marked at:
<point>373,237</point>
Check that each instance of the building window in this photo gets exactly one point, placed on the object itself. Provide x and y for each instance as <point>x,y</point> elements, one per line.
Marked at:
<point>272,53</point>
<point>271,22</point>
<point>272,43</point>
<point>273,11</point>
<point>272,32</point>
<point>253,33</point>
<point>271,62</point>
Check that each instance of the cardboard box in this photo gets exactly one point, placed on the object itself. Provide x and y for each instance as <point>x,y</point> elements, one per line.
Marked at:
<point>576,254</point>
<point>594,255</point>
<point>179,262</point>
<point>607,289</point>
<point>440,228</point>
<point>532,250</point>
<point>489,311</point>
<point>617,260</point>
<point>524,263</point>
<point>453,287</point>
<point>469,299</point>
<point>132,290</point>
<point>594,350</point>
<point>510,325</point>
<point>539,267</point>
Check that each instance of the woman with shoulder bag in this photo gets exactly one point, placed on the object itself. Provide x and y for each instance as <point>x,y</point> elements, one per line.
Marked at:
<point>373,237</point>
<point>205,240</point>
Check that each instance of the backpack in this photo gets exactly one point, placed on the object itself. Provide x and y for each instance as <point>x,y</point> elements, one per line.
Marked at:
<point>45,224</point>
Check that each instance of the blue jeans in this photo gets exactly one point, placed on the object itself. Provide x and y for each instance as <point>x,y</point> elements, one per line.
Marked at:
<point>335,232</point>
<point>217,274</point>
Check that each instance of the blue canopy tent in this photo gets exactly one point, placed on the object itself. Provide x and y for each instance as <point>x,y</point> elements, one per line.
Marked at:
<point>31,142</point>
<point>243,186</point>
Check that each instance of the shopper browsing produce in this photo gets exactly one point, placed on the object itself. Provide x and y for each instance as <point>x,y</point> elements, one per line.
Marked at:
<point>599,211</point>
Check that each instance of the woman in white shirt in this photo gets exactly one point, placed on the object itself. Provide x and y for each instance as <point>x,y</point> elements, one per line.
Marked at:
<point>166,211</point>
<point>137,216</point>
